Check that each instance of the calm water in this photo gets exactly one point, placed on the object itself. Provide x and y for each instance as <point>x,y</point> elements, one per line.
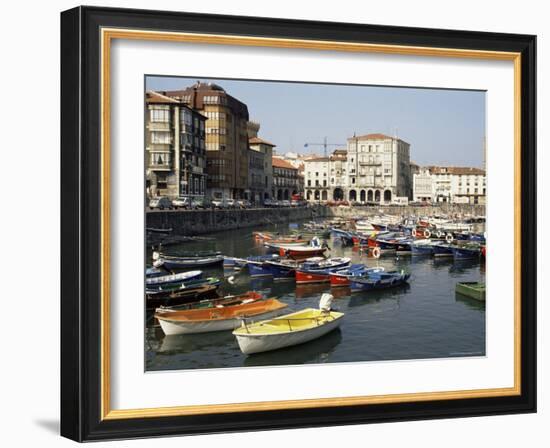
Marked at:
<point>424,319</point>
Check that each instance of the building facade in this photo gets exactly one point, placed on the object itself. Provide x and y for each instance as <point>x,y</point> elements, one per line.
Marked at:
<point>460,185</point>
<point>261,169</point>
<point>378,169</point>
<point>226,137</point>
<point>285,180</point>
<point>316,179</point>
<point>175,148</point>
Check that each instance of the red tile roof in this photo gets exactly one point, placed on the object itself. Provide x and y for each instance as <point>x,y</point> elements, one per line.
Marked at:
<point>258,140</point>
<point>157,98</point>
<point>459,170</point>
<point>280,163</point>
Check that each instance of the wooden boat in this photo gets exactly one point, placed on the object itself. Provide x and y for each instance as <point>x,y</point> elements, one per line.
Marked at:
<point>264,236</point>
<point>180,297</point>
<point>466,252</point>
<point>188,261</point>
<point>276,246</point>
<point>302,252</point>
<point>422,247</point>
<point>172,278</point>
<point>216,319</point>
<point>474,290</point>
<point>363,226</point>
<point>239,263</point>
<point>318,271</point>
<point>169,288</point>
<point>282,269</point>
<point>158,230</point>
<point>342,277</point>
<point>380,280</point>
<point>288,330</point>
<point>442,250</point>
<point>218,302</point>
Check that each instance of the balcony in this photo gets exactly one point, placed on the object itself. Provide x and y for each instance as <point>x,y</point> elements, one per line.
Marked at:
<point>159,126</point>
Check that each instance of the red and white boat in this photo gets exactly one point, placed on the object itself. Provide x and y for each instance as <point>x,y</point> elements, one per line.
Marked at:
<point>318,271</point>
<point>342,277</point>
<point>299,253</point>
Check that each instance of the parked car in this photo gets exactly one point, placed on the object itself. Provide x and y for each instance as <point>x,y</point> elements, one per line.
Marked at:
<point>221,203</point>
<point>183,202</point>
<point>232,203</point>
<point>161,202</point>
<point>202,203</point>
<point>285,203</point>
<point>244,203</point>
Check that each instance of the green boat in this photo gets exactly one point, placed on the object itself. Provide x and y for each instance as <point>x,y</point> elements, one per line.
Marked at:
<point>474,290</point>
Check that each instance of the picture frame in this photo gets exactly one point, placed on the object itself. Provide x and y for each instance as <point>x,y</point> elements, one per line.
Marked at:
<point>86,175</point>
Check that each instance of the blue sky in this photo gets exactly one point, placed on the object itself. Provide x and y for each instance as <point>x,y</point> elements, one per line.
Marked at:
<point>443,127</point>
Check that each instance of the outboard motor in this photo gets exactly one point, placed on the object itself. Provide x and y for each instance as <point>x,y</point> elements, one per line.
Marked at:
<point>325,304</point>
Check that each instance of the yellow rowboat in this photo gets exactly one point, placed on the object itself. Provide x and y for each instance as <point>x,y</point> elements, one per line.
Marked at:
<point>288,330</point>
<point>216,319</point>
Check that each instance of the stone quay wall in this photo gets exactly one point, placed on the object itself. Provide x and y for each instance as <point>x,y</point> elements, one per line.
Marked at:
<point>199,222</point>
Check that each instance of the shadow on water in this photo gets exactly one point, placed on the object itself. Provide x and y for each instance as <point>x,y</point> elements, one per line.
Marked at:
<point>462,266</point>
<point>316,351</point>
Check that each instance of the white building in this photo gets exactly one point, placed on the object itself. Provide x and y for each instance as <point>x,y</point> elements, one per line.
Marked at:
<point>316,179</point>
<point>378,169</point>
<point>461,185</point>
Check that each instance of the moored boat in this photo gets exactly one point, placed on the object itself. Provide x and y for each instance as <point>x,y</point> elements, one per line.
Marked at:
<point>218,302</point>
<point>172,278</point>
<point>181,296</point>
<point>466,252</point>
<point>379,280</point>
<point>187,261</point>
<point>288,330</point>
<point>442,250</point>
<point>169,288</point>
<point>216,319</point>
<point>342,277</point>
<point>317,271</point>
<point>474,290</point>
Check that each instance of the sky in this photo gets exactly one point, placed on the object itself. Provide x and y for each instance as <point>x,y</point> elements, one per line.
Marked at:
<point>443,127</point>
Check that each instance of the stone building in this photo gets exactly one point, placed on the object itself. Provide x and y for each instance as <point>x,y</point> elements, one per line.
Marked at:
<point>463,185</point>
<point>285,180</point>
<point>175,148</point>
<point>260,169</point>
<point>226,137</point>
<point>378,169</point>
<point>316,179</point>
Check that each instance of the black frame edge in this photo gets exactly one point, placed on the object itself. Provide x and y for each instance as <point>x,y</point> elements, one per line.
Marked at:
<point>71,384</point>
<point>80,229</point>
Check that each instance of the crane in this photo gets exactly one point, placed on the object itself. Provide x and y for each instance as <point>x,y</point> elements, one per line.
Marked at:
<point>325,145</point>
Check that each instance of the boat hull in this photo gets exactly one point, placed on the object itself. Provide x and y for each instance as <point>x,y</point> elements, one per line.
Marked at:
<point>171,328</point>
<point>250,344</point>
<point>304,277</point>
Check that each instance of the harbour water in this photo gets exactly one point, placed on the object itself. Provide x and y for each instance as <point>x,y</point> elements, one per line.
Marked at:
<point>424,319</point>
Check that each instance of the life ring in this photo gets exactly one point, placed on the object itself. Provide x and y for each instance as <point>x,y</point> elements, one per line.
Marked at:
<point>427,233</point>
<point>439,234</point>
<point>413,232</point>
<point>449,238</point>
<point>376,252</point>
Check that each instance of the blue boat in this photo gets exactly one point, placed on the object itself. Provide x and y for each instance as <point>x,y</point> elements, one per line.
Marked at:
<point>442,250</point>
<point>468,252</point>
<point>239,263</point>
<point>281,270</point>
<point>422,247</point>
<point>258,269</point>
<point>172,278</point>
<point>378,280</point>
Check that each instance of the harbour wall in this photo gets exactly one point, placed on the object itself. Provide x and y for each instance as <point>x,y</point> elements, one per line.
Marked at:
<point>409,210</point>
<point>199,222</point>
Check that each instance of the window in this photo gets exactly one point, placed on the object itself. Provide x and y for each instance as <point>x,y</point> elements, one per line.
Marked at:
<point>160,137</point>
<point>160,115</point>
<point>160,159</point>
